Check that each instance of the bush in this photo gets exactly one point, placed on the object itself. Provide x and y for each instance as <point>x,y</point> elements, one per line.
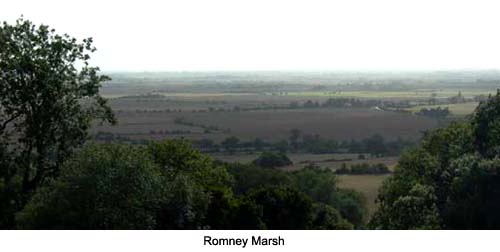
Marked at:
<point>272,160</point>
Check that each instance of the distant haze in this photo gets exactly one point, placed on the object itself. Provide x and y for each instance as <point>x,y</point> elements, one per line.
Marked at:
<point>235,35</point>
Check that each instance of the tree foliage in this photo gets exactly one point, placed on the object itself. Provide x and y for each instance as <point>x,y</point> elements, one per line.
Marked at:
<point>450,181</point>
<point>272,160</point>
<point>102,187</point>
<point>48,99</point>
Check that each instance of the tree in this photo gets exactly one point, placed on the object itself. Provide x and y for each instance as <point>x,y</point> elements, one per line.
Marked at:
<point>284,207</point>
<point>258,144</point>
<point>486,122</point>
<point>375,144</point>
<point>246,177</point>
<point>102,187</point>
<point>352,206</point>
<point>320,184</point>
<point>192,181</point>
<point>46,104</point>
<point>272,160</point>
<point>328,218</point>
<point>451,181</point>
<point>438,113</point>
<point>230,143</point>
<point>417,210</point>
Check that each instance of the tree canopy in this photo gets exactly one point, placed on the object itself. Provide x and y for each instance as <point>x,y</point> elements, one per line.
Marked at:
<point>451,181</point>
<point>49,95</point>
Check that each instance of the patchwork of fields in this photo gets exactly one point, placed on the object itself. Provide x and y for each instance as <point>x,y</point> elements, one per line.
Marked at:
<point>274,125</point>
<point>250,113</point>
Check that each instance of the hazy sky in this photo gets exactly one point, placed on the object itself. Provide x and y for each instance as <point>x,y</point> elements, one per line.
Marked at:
<point>151,35</point>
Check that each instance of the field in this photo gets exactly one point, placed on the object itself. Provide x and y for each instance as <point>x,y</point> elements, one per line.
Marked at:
<point>461,109</point>
<point>413,94</point>
<point>269,105</point>
<point>272,125</point>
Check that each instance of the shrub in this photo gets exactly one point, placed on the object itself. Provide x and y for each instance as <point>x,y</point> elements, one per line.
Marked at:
<point>272,160</point>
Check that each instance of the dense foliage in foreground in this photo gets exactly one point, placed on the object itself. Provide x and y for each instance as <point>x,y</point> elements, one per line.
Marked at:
<point>452,181</point>
<point>169,185</point>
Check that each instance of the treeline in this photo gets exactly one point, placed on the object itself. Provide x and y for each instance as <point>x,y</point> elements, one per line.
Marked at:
<point>339,102</point>
<point>375,145</point>
<point>169,185</point>
<point>206,128</point>
<point>363,169</point>
<point>333,207</point>
<point>438,113</point>
<point>334,102</point>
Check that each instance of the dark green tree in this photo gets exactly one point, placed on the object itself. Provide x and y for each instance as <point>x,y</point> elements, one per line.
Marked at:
<point>451,181</point>
<point>328,218</point>
<point>192,181</point>
<point>486,124</point>
<point>284,207</point>
<point>102,187</point>
<point>247,176</point>
<point>321,186</point>
<point>230,143</point>
<point>272,160</point>
<point>49,95</point>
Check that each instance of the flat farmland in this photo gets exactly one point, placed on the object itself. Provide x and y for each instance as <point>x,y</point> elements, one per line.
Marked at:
<point>273,125</point>
<point>339,124</point>
<point>407,94</point>
<point>460,109</point>
<point>203,101</point>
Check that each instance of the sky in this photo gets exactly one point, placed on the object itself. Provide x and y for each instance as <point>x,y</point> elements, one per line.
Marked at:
<point>308,35</point>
